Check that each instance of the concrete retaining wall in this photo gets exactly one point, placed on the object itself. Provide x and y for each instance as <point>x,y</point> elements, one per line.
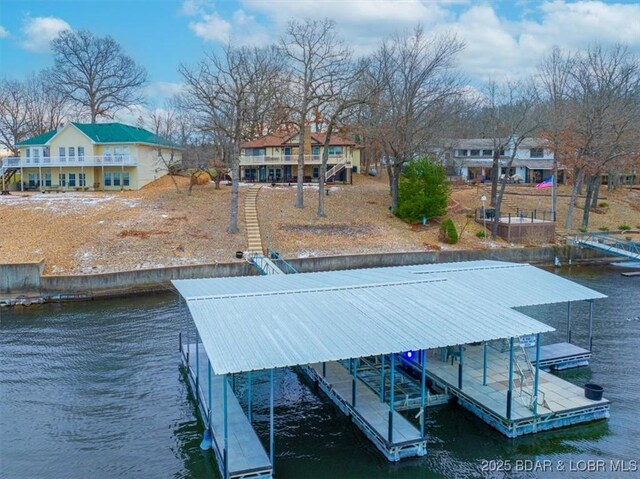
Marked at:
<point>29,278</point>
<point>20,277</point>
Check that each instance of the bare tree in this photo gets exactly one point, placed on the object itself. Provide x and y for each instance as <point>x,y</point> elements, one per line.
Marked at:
<point>95,73</point>
<point>512,116</point>
<point>418,88</point>
<point>14,114</point>
<point>317,58</point>
<point>233,95</point>
<point>603,131</point>
<point>554,80</point>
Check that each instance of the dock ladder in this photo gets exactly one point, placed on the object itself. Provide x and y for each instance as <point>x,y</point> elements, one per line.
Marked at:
<point>525,373</point>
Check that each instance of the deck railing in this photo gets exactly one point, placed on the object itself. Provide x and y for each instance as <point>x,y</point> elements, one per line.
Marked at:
<point>61,161</point>
<point>290,160</point>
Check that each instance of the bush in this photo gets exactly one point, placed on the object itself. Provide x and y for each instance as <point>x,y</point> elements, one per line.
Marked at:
<point>582,229</point>
<point>624,227</point>
<point>604,228</point>
<point>423,190</point>
<point>480,234</point>
<point>603,204</point>
<point>448,232</point>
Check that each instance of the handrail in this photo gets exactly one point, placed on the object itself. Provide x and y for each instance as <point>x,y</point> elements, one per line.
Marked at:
<point>606,239</point>
<point>57,161</point>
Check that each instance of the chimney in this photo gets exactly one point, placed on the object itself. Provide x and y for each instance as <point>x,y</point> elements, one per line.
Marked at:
<point>307,140</point>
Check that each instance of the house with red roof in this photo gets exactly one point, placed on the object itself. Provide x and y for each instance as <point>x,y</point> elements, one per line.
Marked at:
<point>274,158</point>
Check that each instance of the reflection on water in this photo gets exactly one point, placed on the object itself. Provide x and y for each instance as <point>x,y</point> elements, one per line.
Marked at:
<point>94,390</point>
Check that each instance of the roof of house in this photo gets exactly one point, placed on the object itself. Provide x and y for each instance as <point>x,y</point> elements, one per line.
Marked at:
<point>488,143</point>
<point>105,133</point>
<point>285,139</point>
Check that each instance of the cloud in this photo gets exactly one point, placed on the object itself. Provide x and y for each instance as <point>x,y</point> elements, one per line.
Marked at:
<point>39,31</point>
<point>4,33</point>
<point>211,27</point>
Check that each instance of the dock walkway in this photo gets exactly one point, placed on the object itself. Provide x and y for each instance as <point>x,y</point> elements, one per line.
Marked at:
<point>246,455</point>
<point>560,356</point>
<point>560,403</point>
<point>370,414</point>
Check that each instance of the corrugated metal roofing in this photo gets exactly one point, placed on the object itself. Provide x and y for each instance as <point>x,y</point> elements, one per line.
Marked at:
<point>263,322</point>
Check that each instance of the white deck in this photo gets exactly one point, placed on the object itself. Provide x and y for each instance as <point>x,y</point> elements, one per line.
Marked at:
<point>368,404</point>
<point>246,452</point>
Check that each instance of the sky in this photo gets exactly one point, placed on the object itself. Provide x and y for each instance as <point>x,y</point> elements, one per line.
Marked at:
<point>504,38</point>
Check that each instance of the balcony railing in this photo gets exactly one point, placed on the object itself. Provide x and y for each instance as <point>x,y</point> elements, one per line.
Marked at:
<point>58,161</point>
<point>290,160</point>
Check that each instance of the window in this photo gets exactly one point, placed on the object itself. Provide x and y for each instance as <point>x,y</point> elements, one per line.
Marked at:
<point>107,178</point>
<point>81,153</point>
<point>36,155</point>
<point>316,172</point>
<point>536,153</point>
<point>116,178</point>
<point>62,179</point>
<point>487,152</point>
<point>45,152</point>
<point>258,152</point>
<point>27,153</point>
<point>125,178</point>
<point>315,151</point>
<point>475,152</point>
<point>47,179</point>
<point>62,153</point>
<point>106,151</point>
<point>461,152</point>
<point>32,180</point>
<point>335,150</point>
<point>72,179</point>
<point>82,179</point>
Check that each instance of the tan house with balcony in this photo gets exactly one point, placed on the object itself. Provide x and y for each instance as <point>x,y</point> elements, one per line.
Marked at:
<point>274,158</point>
<point>85,156</point>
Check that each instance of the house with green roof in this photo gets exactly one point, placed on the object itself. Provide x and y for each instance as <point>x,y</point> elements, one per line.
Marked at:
<point>90,157</point>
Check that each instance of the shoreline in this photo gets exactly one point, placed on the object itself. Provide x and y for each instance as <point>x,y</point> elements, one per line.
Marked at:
<point>24,284</point>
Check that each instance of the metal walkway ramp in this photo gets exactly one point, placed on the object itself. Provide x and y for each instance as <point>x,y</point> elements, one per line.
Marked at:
<point>610,244</point>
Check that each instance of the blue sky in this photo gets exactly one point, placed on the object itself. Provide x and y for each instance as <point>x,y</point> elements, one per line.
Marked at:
<point>504,38</point>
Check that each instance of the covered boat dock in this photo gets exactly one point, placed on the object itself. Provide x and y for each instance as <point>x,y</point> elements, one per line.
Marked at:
<point>447,322</point>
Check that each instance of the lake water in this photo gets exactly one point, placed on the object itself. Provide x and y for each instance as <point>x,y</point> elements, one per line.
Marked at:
<point>94,390</point>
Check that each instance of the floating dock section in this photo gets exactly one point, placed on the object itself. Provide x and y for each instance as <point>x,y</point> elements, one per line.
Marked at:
<point>244,456</point>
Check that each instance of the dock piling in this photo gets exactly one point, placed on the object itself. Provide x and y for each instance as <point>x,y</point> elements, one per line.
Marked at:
<point>461,353</point>
<point>536,380</point>
<point>591,325</point>
<point>249,398</point>
<point>569,322</point>
<point>484,363</point>
<point>225,426</point>
<point>392,396</point>
<point>423,388</point>
<point>271,437</point>
<point>510,391</point>
<point>382,378</point>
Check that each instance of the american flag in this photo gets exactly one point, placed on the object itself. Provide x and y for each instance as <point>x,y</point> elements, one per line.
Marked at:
<point>547,183</point>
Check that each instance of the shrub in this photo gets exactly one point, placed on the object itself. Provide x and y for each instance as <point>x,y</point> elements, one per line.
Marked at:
<point>603,204</point>
<point>448,232</point>
<point>480,234</point>
<point>423,190</point>
<point>582,229</point>
<point>624,227</point>
<point>604,228</point>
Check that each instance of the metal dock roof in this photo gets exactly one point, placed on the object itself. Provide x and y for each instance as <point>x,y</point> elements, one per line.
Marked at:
<point>263,322</point>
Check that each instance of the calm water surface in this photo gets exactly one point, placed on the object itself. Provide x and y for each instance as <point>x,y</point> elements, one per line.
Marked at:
<point>93,390</point>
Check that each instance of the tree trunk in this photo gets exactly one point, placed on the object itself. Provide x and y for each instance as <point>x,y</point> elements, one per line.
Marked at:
<point>596,192</point>
<point>568,224</point>
<point>554,189</point>
<point>495,168</point>
<point>235,169</point>
<point>587,201</point>
<point>393,181</point>
<point>300,190</point>
<point>498,203</point>
<point>323,171</point>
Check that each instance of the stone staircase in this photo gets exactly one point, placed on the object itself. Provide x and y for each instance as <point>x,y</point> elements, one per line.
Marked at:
<point>254,239</point>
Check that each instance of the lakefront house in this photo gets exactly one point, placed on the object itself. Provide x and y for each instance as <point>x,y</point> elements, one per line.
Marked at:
<point>89,157</point>
<point>274,158</point>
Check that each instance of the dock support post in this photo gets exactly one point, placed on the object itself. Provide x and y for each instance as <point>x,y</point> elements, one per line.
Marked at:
<point>461,352</point>
<point>536,380</point>
<point>197,372</point>
<point>568,323</point>
<point>324,369</point>
<point>225,456</point>
<point>392,396</point>
<point>354,382</point>
<point>510,391</point>
<point>271,449</point>
<point>209,406</point>
<point>590,325</point>
<point>423,388</point>
<point>382,378</point>
<point>484,363</point>
<point>249,399</point>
